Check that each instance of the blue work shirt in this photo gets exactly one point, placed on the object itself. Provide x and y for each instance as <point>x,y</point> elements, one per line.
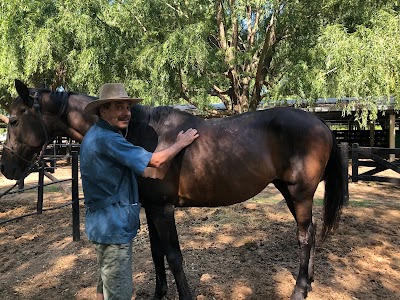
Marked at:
<point>108,164</point>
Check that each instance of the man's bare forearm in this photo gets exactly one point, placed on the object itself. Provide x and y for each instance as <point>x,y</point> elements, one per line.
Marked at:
<point>161,157</point>
<point>183,139</point>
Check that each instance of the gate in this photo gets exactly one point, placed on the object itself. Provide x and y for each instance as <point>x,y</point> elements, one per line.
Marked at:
<point>376,158</point>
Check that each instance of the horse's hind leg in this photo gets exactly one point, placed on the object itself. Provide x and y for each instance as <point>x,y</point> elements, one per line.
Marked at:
<point>164,223</point>
<point>299,201</point>
<point>312,254</point>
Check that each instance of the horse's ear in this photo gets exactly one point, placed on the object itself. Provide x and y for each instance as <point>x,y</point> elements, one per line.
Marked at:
<point>23,92</point>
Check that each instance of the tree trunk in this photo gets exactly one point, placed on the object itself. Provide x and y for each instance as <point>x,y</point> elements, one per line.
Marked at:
<point>265,59</point>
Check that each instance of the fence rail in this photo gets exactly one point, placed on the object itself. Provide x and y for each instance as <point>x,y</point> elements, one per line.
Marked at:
<point>380,159</point>
<point>363,137</point>
<point>74,196</point>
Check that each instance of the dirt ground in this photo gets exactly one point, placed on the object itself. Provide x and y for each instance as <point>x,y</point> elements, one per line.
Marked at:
<point>245,251</point>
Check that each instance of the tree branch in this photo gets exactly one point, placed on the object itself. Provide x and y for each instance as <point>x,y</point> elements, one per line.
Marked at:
<point>265,56</point>
<point>134,16</point>
<point>113,28</point>
<point>222,95</point>
<point>235,25</point>
<point>252,30</point>
<point>179,11</point>
<point>220,24</point>
<point>210,112</point>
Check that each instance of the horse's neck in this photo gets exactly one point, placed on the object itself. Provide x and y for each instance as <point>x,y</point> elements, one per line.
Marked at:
<point>69,119</point>
<point>55,104</point>
<point>78,120</point>
<point>141,113</point>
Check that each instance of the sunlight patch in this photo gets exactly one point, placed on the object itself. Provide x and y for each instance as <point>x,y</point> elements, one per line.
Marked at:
<point>241,291</point>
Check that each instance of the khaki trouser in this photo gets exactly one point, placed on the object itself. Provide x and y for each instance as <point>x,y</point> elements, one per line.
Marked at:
<point>115,271</point>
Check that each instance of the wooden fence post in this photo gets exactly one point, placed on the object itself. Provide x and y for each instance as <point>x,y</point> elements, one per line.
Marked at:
<point>354,162</point>
<point>39,205</point>
<point>75,198</point>
<point>21,184</point>
<point>392,135</point>
<point>344,149</point>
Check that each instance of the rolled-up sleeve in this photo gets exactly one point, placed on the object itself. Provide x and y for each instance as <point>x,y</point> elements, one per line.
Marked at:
<point>134,157</point>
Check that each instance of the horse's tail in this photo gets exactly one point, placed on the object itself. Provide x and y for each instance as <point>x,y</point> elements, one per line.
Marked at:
<point>334,190</point>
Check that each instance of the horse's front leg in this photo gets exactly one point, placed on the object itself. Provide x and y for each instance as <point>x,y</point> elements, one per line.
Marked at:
<point>158,257</point>
<point>163,220</point>
<point>306,239</point>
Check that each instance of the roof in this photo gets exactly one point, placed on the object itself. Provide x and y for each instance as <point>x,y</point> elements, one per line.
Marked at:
<point>329,109</point>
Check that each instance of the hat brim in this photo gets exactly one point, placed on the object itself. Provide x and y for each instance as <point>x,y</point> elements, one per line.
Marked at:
<point>92,107</point>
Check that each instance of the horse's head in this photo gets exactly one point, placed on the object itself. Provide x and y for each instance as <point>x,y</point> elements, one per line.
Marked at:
<point>25,133</point>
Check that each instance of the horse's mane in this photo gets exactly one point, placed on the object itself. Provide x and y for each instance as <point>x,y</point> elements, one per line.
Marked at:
<point>154,115</point>
<point>59,101</point>
<point>32,91</point>
<point>160,113</point>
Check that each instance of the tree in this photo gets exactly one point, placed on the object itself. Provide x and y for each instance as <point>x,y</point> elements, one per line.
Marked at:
<point>60,43</point>
<point>201,51</point>
<point>230,49</point>
<point>246,51</point>
<point>361,62</point>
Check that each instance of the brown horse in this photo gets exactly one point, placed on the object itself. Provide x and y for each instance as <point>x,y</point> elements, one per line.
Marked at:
<point>233,160</point>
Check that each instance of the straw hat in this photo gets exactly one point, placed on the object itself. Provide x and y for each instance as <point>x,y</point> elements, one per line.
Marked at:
<point>109,92</point>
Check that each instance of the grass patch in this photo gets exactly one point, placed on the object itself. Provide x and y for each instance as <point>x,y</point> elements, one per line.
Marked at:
<point>52,188</point>
<point>319,202</point>
<point>277,199</point>
<point>362,203</point>
<point>265,199</point>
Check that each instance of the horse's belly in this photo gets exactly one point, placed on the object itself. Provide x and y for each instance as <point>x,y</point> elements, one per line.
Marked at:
<point>219,190</point>
<point>225,170</point>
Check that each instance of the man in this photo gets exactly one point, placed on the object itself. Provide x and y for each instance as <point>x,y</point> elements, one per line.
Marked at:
<point>108,164</point>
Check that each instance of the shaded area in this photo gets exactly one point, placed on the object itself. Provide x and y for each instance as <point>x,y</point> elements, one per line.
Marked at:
<point>245,251</point>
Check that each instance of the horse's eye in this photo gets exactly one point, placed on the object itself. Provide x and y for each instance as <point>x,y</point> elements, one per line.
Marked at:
<point>22,110</point>
<point>13,121</point>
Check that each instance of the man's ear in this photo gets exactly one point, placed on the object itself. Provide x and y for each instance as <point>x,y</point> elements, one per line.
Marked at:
<point>101,109</point>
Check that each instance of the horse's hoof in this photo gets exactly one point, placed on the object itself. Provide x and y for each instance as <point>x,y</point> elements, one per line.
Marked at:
<point>298,294</point>
<point>309,287</point>
<point>159,296</point>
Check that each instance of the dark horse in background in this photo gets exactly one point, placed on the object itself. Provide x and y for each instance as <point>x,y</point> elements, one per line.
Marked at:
<point>233,160</point>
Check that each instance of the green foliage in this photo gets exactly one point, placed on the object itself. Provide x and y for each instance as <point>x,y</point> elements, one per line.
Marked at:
<point>361,64</point>
<point>179,64</point>
<point>371,65</point>
<point>192,51</point>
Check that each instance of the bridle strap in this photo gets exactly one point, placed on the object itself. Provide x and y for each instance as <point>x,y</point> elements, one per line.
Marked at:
<point>36,106</point>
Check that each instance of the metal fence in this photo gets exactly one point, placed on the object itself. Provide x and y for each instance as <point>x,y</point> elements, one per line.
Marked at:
<point>40,190</point>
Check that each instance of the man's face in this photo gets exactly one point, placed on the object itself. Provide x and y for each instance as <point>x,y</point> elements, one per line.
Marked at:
<point>118,114</point>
